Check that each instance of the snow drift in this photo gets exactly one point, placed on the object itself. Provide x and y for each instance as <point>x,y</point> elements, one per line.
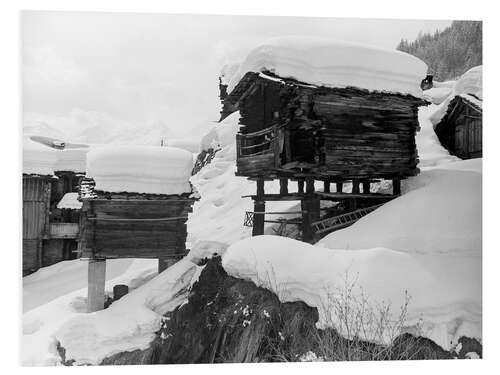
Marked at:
<point>335,64</point>
<point>140,169</point>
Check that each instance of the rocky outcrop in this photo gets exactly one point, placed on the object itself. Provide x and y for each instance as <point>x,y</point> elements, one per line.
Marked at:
<point>232,320</point>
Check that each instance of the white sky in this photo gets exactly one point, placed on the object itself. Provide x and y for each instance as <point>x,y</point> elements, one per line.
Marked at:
<point>114,70</point>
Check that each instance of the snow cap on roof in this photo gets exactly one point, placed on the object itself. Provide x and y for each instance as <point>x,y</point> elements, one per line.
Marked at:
<point>335,64</point>
<point>38,158</point>
<point>140,169</point>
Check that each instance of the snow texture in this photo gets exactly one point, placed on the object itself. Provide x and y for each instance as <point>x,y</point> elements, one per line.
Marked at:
<point>70,201</point>
<point>140,169</point>
<point>38,158</point>
<point>187,144</point>
<point>60,294</point>
<point>335,64</point>
<point>470,86</point>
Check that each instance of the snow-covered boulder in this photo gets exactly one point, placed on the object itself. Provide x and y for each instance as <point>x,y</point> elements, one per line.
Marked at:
<point>335,64</point>
<point>140,169</point>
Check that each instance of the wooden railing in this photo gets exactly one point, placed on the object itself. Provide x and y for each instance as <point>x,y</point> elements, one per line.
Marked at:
<point>257,143</point>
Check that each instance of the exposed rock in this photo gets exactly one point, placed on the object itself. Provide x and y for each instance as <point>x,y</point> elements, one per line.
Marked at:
<point>232,320</point>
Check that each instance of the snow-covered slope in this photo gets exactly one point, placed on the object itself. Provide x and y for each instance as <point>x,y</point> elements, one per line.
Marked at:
<point>335,64</point>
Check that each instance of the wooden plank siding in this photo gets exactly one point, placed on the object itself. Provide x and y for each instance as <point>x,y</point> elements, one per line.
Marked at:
<point>134,228</point>
<point>460,130</point>
<point>36,210</point>
<point>337,133</point>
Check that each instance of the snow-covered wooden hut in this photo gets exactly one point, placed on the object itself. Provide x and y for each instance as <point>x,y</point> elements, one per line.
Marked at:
<point>51,172</point>
<point>460,129</point>
<point>313,109</point>
<point>136,206</point>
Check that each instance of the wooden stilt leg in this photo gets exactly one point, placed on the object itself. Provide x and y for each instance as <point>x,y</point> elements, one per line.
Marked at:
<point>355,186</point>
<point>284,186</point>
<point>258,219</point>
<point>307,234</point>
<point>96,284</point>
<point>396,186</point>
<point>366,187</point>
<point>339,186</point>
<point>326,186</point>
<point>300,186</point>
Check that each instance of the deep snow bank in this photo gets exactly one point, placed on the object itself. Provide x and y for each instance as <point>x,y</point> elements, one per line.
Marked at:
<point>140,169</point>
<point>51,308</point>
<point>335,64</point>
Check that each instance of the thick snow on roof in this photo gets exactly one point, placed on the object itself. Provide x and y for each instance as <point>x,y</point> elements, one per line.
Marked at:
<point>38,158</point>
<point>140,169</point>
<point>335,64</point>
<point>471,82</point>
<point>437,95</point>
<point>70,201</point>
<point>469,85</point>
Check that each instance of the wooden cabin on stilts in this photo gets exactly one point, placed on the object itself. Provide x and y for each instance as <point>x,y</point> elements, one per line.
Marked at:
<point>333,142</point>
<point>135,206</point>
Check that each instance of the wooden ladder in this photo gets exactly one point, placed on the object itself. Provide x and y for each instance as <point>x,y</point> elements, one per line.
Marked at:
<point>341,221</point>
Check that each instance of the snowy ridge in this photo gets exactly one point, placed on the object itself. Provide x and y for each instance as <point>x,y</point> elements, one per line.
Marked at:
<point>140,169</point>
<point>335,64</point>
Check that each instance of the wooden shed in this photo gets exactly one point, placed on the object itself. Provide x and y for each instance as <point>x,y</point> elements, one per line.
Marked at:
<point>130,225</point>
<point>292,130</point>
<point>461,128</point>
<point>36,210</point>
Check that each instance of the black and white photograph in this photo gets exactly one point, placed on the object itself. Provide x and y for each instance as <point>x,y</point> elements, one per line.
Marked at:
<point>202,188</point>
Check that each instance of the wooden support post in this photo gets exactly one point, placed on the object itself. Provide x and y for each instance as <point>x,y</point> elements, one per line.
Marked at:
<point>309,185</point>
<point>307,234</point>
<point>339,186</point>
<point>366,186</point>
<point>326,186</point>
<point>396,186</point>
<point>284,186</point>
<point>258,219</point>
<point>300,186</point>
<point>260,187</point>
<point>96,284</point>
<point>259,205</point>
<point>355,186</point>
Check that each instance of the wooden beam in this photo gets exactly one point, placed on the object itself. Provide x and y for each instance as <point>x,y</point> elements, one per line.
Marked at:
<point>96,284</point>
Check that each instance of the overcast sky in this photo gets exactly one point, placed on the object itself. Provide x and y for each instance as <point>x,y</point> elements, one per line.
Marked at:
<point>117,69</point>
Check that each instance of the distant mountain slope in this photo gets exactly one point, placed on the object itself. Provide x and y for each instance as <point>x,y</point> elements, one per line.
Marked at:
<point>451,52</point>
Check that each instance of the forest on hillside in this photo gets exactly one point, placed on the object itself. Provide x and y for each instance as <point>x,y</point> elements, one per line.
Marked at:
<point>451,52</point>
